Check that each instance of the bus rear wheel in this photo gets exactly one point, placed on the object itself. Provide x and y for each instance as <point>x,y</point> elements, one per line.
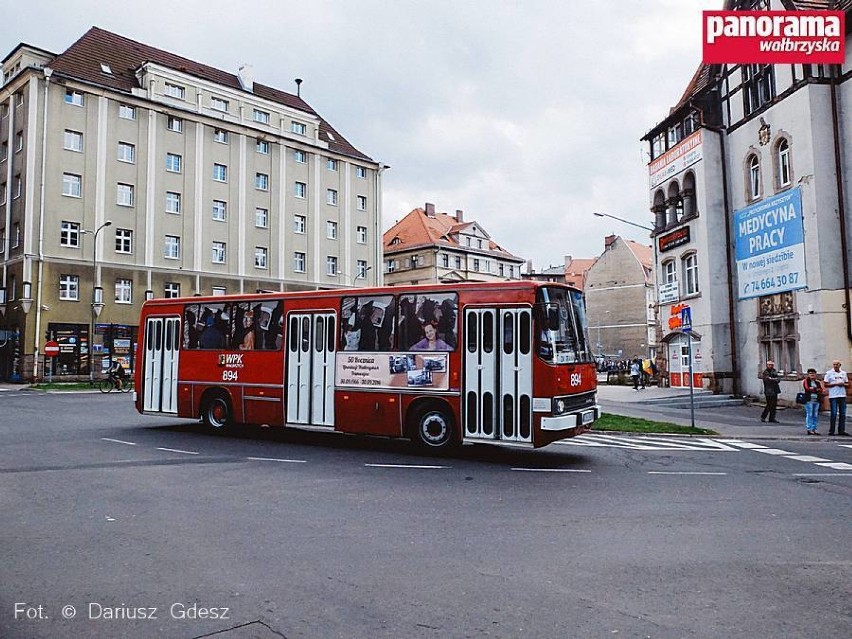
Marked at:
<point>217,413</point>
<point>434,429</point>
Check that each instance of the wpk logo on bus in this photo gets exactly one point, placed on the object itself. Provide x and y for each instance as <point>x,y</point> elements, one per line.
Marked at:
<point>774,37</point>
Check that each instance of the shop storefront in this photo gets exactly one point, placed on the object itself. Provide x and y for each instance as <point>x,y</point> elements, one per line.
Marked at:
<point>678,362</point>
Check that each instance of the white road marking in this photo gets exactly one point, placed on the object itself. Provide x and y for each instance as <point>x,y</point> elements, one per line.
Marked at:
<point>603,440</point>
<point>176,450</point>
<point>808,458</point>
<point>551,470</point>
<point>405,466</point>
<point>845,445</point>
<point>822,475</point>
<point>837,465</point>
<point>740,444</point>
<point>286,461</point>
<point>774,451</point>
<point>681,472</point>
<point>118,441</point>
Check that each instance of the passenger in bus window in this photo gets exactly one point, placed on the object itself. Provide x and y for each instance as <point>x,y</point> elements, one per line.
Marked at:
<point>211,336</point>
<point>247,341</point>
<point>431,341</point>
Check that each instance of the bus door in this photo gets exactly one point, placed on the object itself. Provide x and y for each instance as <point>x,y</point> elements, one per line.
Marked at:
<point>159,384</point>
<point>498,374</point>
<point>311,344</point>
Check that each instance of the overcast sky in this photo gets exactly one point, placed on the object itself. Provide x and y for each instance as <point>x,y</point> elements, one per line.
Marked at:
<point>524,114</point>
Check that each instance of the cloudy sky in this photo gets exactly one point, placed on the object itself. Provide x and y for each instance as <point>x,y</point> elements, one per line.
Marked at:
<point>525,114</point>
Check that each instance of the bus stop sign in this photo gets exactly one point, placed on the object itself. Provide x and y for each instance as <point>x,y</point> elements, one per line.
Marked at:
<point>51,349</point>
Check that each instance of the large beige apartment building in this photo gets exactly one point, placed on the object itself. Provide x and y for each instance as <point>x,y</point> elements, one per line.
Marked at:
<point>128,172</point>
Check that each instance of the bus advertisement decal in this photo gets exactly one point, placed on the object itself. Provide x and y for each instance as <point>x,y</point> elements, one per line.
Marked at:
<point>399,370</point>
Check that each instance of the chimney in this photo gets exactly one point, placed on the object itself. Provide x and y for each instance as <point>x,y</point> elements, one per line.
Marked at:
<point>530,270</point>
<point>609,240</point>
<point>430,209</point>
<point>568,260</point>
<point>246,77</point>
<point>459,216</point>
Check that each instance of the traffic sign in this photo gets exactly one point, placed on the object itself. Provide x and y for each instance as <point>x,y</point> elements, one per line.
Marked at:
<point>51,349</point>
<point>686,318</point>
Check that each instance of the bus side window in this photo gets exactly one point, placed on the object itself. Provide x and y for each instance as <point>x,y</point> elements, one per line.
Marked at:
<point>294,334</point>
<point>472,336</point>
<point>508,333</point>
<point>488,332</point>
<point>525,333</point>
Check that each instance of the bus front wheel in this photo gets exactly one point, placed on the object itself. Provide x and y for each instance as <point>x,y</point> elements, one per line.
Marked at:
<point>433,429</point>
<point>217,413</point>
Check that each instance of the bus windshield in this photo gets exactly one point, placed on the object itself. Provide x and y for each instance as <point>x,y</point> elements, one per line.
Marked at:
<point>562,326</point>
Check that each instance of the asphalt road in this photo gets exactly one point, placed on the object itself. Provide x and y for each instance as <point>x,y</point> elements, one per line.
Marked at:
<point>288,534</point>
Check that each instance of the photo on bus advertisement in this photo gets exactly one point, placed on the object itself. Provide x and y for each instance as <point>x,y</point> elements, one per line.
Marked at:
<point>427,322</point>
<point>367,323</point>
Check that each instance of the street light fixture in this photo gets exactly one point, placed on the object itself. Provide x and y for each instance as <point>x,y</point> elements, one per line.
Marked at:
<point>621,219</point>
<point>97,296</point>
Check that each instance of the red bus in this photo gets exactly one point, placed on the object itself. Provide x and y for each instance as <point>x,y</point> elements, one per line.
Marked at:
<point>504,362</point>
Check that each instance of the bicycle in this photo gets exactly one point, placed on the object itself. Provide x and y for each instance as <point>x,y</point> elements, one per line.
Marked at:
<point>110,383</point>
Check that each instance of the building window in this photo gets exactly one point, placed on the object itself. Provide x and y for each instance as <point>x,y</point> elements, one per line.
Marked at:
<point>690,274</point>
<point>390,266</point>
<point>361,172</point>
<point>261,218</point>
<point>361,235</point>
<point>126,152</point>
<point>172,247</point>
<point>458,261</point>
<point>331,197</point>
<point>123,241</point>
<point>171,290</point>
<point>69,288</point>
<point>362,202</point>
<point>69,234</point>
<point>260,116</point>
<point>301,189</point>
<point>2,194</point>
<point>126,112</point>
<point>220,172</point>
<point>298,128</point>
<point>123,291</point>
<point>361,269</point>
<point>330,265</point>
<point>779,332</point>
<point>174,163</point>
<point>218,104</point>
<point>758,86</point>
<point>73,141</point>
<point>669,272</point>
<point>500,269</point>
<point>785,173</point>
<point>412,261</point>
<point>73,97</point>
<point>331,230</point>
<point>445,260</point>
<point>18,187</point>
<point>331,164</point>
<point>218,291</point>
<point>300,156</point>
<point>4,151</point>
<point>260,257</point>
<point>218,254</point>
<point>476,264</point>
<point>16,235</point>
<point>299,223</point>
<point>299,262</point>
<point>173,202</point>
<point>220,210</point>
<point>124,194</point>
<point>175,91</point>
<point>261,181</point>
<point>754,182</point>
<point>220,135</point>
<point>263,147</point>
<point>175,124</point>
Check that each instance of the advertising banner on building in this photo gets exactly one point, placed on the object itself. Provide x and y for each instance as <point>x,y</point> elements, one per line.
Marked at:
<point>770,246</point>
<point>685,154</point>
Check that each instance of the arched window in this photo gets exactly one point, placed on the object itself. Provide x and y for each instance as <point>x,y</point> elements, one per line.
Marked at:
<point>674,204</point>
<point>659,210</point>
<point>753,181</point>
<point>784,169</point>
<point>689,265</point>
<point>669,272</point>
<point>689,207</point>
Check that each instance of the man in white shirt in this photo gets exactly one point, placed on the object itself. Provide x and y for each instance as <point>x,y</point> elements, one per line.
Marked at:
<point>836,381</point>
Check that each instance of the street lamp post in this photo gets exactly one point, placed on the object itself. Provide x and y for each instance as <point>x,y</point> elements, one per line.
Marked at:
<point>97,296</point>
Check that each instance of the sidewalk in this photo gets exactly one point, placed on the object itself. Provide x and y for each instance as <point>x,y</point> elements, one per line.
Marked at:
<point>740,421</point>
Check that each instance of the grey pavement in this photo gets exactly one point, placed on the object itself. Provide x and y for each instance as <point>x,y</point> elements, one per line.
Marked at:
<point>729,417</point>
<point>734,418</point>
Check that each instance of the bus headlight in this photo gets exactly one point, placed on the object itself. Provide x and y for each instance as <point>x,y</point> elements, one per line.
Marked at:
<point>558,406</point>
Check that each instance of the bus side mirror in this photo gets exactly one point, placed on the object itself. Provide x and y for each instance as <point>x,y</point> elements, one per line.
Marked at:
<point>552,319</point>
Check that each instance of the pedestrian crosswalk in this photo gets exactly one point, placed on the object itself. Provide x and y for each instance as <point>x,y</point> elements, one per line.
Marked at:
<point>633,442</point>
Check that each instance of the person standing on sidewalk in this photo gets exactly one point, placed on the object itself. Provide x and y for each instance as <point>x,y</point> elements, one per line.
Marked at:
<point>771,389</point>
<point>813,393</point>
<point>635,371</point>
<point>836,382</point>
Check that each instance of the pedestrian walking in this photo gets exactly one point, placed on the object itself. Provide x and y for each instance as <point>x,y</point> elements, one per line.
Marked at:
<point>634,374</point>
<point>836,380</point>
<point>771,389</point>
<point>812,388</point>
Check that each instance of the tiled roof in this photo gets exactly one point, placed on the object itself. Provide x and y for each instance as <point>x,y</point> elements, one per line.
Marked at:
<point>83,59</point>
<point>575,271</point>
<point>418,229</point>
